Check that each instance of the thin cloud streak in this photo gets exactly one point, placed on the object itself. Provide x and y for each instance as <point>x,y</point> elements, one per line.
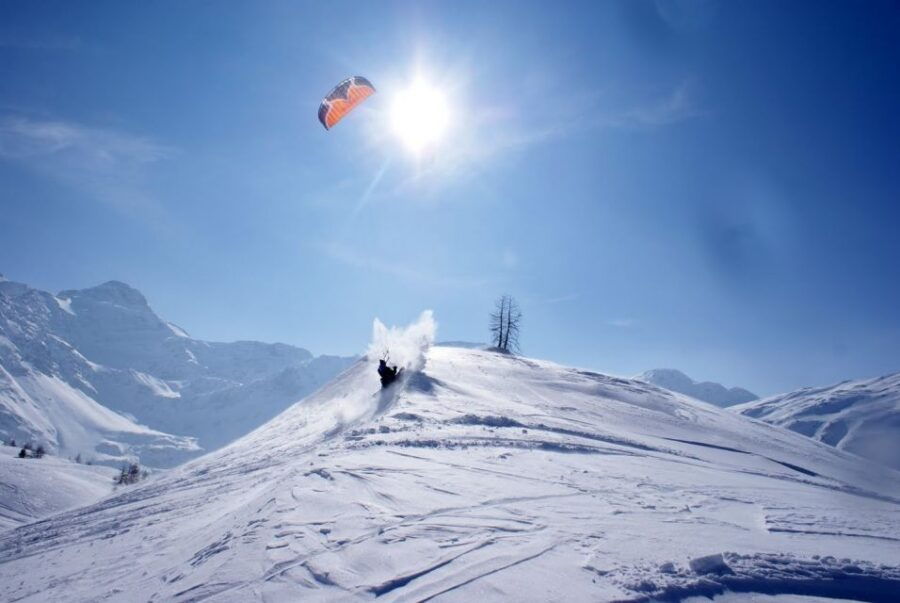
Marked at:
<point>23,138</point>
<point>549,301</point>
<point>622,323</point>
<point>676,107</point>
<point>349,256</point>
<point>105,165</point>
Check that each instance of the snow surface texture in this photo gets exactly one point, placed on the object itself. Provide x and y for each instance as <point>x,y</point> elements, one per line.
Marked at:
<point>862,417</point>
<point>34,488</point>
<point>84,371</point>
<point>714,393</point>
<point>483,477</point>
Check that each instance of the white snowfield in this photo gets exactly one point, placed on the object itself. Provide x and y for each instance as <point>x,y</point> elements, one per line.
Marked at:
<point>33,488</point>
<point>862,417</point>
<point>483,477</point>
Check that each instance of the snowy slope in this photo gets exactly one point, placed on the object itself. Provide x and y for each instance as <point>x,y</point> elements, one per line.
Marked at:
<point>862,417</point>
<point>34,488</point>
<point>64,358</point>
<point>43,409</point>
<point>708,391</point>
<point>485,477</point>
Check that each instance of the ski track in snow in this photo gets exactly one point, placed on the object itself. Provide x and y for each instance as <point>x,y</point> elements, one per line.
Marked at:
<point>485,476</point>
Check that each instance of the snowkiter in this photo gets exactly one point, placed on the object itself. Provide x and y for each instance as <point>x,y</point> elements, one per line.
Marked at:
<point>387,373</point>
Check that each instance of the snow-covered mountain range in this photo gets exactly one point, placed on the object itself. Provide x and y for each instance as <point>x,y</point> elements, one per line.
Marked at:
<point>708,391</point>
<point>97,372</point>
<point>862,417</point>
<point>483,476</point>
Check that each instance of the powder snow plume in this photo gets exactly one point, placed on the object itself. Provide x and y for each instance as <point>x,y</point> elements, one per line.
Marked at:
<point>403,346</point>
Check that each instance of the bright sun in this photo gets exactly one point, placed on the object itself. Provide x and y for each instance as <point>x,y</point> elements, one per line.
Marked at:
<point>420,116</point>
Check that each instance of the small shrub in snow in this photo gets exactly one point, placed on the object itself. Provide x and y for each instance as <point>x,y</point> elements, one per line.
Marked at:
<point>407,416</point>
<point>40,452</point>
<point>78,458</point>
<point>130,474</point>
<point>23,454</point>
<point>487,420</point>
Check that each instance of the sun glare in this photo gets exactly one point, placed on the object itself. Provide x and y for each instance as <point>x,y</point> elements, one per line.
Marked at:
<point>420,116</point>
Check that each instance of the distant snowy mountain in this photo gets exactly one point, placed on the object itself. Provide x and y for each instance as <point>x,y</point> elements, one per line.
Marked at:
<point>862,417</point>
<point>80,370</point>
<point>34,488</point>
<point>714,393</point>
<point>484,477</point>
<point>47,395</point>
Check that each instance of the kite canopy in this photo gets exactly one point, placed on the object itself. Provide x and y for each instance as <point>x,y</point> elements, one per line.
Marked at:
<point>343,99</point>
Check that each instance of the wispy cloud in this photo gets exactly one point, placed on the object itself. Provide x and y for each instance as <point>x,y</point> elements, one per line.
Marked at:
<point>23,138</point>
<point>592,110</point>
<point>549,301</point>
<point>686,14</point>
<point>622,323</point>
<point>400,270</point>
<point>509,258</point>
<point>675,107</point>
<point>104,164</point>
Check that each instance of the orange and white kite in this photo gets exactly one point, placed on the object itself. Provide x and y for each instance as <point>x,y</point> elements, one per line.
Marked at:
<point>343,99</point>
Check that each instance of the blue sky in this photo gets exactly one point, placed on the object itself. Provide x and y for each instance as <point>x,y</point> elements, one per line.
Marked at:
<point>707,186</point>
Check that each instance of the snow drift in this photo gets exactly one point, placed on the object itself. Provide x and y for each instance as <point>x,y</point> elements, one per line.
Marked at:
<point>484,476</point>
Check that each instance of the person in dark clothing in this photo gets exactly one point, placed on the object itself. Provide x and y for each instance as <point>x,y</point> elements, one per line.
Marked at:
<point>387,373</point>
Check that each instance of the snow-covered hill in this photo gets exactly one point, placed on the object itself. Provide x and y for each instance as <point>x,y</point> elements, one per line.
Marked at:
<point>862,417</point>
<point>708,391</point>
<point>84,370</point>
<point>486,477</point>
<point>34,488</point>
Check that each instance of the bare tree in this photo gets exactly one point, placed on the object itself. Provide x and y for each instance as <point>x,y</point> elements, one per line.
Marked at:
<point>505,323</point>
<point>498,322</point>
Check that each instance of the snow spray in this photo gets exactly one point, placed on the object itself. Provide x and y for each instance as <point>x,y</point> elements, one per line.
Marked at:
<point>404,347</point>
